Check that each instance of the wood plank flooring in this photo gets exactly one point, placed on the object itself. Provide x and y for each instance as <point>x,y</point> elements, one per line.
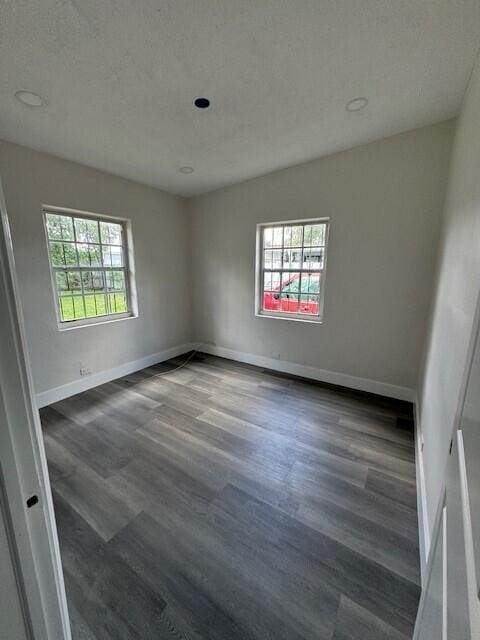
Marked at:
<point>226,502</point>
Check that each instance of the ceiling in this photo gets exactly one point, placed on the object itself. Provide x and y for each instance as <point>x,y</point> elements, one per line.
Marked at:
<point>120,77</point>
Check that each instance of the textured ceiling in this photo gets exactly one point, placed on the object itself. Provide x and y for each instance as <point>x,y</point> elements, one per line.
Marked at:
<point>120,77</point>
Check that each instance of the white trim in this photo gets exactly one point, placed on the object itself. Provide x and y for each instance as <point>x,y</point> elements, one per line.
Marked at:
<point>444,576</point>
<point>83,384</point>
<point>472,587</point>
<point>279,315</point>
<point>314,373</point>
<point>80,212</point>
<point>422,509</point>
<point>278,223</point>
<point>95,321</point>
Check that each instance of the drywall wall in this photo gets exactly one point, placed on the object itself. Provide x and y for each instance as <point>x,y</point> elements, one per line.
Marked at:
<point>455,298</point>
<point>385,201</point>
<point>160,229</point>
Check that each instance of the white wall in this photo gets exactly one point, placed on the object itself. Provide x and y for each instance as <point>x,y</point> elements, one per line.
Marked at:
<point>161,241</point>
<point>385,201</point>
<point>455,297</point>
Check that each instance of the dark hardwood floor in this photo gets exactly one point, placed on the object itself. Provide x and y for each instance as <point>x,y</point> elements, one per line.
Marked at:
<point>225,502</point>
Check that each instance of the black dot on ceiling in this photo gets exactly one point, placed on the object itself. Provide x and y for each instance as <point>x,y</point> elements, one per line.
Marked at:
<point>201,103</point>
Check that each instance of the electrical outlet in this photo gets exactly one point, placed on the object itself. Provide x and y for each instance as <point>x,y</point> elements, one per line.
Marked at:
<point>85,371</point>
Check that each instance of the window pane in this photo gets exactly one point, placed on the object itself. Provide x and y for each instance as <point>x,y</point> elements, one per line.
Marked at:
<point>287,236</point>
<point>297,236</point>
<point>271,296</point>
<point>307,235</point>
<point>87,280</point>
<point>115,280</point>
<point>101,302</point>
<point>59,227</point>
<point>78,309</point>
<point>61,279</point>
<point>117,256</point>
<point>111,233</point>
<point>277,236</point>
<point>318,234</point>
<point>289,302</point>
<point>272,259</point>
<point>290,282</point>
<point>309,304</point>
<point>117,303</point>
<point>310,283</point>
<point>98,281</point>
<point>66,308</point>
<point>267,281</point>
<point>74,284</point>
<point>267,237</point>
<point>83,255</point>
<point>86,230</point>
<point>112,256</point>
<point>63,254</point>
<point>313,258</point>
<point>90,305</point>
<point>89,255</point>
<point>277,259</point>
<point>120,303</point>
<point>93,281</point>
<point>95,304</point>
<point>271,300</point>
<point>292,258</point>
<point>275,281</point>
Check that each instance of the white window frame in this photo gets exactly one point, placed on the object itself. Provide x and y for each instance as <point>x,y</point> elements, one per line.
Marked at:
<point>260,270</point>
<point>128,268</point>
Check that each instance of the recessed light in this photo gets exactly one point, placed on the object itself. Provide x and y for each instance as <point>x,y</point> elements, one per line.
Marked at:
<point>186,169</point>
<point>30,99</point>
<point>201,103</point>
<point>357,104</point>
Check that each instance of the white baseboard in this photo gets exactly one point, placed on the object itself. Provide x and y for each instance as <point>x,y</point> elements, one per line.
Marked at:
<point>304,371</point>
<point>423,526</point>
<point>83,384</point>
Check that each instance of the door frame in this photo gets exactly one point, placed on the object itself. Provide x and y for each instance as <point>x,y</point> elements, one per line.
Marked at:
<point>472,344</point>
<point>23,467</point>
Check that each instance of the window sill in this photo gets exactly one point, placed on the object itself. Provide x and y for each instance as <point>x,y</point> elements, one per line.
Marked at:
<point>94,322</point>
<point>290,318</point>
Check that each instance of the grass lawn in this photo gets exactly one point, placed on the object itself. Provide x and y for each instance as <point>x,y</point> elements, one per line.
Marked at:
<point>96,304</point>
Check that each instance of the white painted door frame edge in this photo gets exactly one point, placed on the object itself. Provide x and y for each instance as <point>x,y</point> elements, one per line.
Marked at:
<point>422,510</point>
<point>430,536</point>
<point>24,467</point>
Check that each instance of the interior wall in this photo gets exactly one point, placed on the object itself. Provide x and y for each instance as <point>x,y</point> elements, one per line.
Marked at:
<point>385,201</point>
<point>160,229</point>
<point>455,298</point>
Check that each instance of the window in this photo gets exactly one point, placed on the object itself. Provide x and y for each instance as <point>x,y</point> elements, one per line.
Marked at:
<point>89,264</point>
<point>291,262</point>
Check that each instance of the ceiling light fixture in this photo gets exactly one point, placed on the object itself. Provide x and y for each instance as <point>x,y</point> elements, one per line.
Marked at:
<point>30,99</point>
<point>186,169</point>
<point>357,104</point>
<point>201,103</point>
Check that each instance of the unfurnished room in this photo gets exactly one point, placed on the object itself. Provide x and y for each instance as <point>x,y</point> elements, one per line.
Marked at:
<point>239,320</point>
